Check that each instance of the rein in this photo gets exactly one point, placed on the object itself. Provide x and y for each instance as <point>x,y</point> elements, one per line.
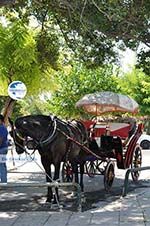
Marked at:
<point>87,150</point>
<point>14,134</point>
<point>51,137</point>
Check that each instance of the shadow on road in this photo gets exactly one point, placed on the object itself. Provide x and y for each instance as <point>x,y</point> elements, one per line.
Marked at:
<point>33,198</point>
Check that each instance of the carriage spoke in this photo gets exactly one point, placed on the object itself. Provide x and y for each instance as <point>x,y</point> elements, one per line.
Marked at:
<point>67,173</point>
<point>90,168</point>
<point>109,175</point>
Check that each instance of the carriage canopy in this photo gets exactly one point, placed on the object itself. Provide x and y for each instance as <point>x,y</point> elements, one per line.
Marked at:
<point>102,102</point>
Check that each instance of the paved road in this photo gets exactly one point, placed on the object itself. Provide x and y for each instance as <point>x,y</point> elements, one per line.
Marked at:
<point>27,206</point>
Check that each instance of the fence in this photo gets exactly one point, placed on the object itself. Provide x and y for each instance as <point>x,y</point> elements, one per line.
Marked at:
<point>47,184</point>
<point>126,181</point>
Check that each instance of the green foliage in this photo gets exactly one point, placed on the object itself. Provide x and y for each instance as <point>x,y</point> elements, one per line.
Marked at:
<point>77,82</point>
<point>91,28</point>
<point>48,49</point>
<point>144,61</point>
<point>31,105</point>
<point>137,85</point>
<point>17,52</point>
<point>19,59</point>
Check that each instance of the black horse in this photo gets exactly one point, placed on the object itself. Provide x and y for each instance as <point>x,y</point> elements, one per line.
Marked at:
<point>54,139</point>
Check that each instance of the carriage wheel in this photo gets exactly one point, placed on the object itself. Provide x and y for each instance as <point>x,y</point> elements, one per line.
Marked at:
<point>109,175</point>
<point>136,162</point>
<point>90,168</point>
<point>67,173</point>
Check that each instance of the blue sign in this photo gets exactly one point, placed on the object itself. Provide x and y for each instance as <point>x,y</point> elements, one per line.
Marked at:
<point>17,90</point>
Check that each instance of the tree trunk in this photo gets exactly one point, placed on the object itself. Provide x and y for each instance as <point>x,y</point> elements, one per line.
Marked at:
<point>8,108</point>
<point>6,2</point>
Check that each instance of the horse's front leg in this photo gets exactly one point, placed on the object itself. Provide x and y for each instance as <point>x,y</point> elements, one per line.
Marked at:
<point>56,178</point>
<point>81,175</point>
<point>47,166</point>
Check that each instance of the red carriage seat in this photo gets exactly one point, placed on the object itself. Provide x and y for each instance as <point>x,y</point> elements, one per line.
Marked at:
<point>107,142</point>
<point>113,144</point>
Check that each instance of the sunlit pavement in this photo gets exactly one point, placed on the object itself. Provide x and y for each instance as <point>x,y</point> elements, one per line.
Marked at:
<point>134,209</point>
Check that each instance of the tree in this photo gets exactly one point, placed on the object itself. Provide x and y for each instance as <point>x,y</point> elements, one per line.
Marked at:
<point>6,2</point>
<point>76,82</point>
<point>91,28</point>
<point>137,84</point>
<point>31,105</point>
<point>144,61</point>
<point>19,60</point>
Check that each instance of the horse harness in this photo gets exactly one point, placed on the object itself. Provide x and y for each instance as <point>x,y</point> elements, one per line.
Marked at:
<point>31,143</point>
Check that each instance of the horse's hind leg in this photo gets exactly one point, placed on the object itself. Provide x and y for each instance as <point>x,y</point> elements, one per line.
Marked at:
<point>81,175</point>
<point>47,166</point>
<point>74,165</point>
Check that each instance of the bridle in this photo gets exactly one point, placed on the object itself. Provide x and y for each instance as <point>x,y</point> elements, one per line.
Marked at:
<point>16,134</point>
<point>41,143</point>
<point>50,137</point>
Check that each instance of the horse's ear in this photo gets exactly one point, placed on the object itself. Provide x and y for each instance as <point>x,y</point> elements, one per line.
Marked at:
<point>10,121</point>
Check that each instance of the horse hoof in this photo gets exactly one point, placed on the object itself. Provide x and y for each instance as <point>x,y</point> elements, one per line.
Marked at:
<point>55,201</point>
<point>48,204</point>
<point>48,200</point>
<point>55,206</point>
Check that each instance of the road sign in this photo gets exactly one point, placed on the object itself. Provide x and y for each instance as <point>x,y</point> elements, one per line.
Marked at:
<point>17,90</point>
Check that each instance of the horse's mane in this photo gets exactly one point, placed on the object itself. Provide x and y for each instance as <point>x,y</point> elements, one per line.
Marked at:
<point>32,118</point>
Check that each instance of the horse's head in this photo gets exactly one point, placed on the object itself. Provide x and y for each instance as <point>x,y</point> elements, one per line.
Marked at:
<point>29,130</point>
<point>17,137</point>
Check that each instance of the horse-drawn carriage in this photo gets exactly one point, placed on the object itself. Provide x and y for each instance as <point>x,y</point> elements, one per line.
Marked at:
<point>106,151</point>
<point>108,142</point>
<point>81,145</point>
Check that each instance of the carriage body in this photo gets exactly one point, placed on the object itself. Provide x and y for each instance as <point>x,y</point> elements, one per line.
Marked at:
<point>111,149</point>
<point>117,139</point>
